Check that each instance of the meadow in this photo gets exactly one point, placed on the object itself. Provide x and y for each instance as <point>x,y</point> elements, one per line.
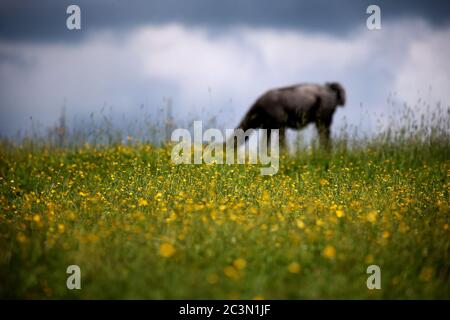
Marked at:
<point>140,227</point>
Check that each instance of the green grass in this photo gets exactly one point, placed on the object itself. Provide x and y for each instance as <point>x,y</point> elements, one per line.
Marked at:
<point>141,227</point>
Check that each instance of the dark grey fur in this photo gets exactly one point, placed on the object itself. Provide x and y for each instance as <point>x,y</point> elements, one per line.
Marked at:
<point>295,107</point>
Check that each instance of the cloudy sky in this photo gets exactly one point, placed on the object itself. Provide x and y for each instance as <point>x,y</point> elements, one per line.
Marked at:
<point>215,58</point>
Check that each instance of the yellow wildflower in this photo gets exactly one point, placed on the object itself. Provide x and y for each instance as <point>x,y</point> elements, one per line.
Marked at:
<point>372,216</point>
<point>240,263</point>
<point>329,252</point>
<point>166,250</point>
<point>142,202</point>
<point>294,267</point>
<point>300,224</point>
<point>339,213</point>
<point>231,272</point>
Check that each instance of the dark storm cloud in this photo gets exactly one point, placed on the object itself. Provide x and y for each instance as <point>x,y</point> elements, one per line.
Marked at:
<point>45,19</point>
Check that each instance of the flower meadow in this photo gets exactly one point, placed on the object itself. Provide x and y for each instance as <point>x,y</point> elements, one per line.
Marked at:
<point>141,227</point>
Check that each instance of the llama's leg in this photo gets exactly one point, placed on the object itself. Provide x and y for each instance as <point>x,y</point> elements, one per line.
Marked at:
<point>324,131</point>
<point>282,134</point>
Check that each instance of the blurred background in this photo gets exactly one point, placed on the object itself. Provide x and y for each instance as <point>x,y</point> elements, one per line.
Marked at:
<point>161,64</point>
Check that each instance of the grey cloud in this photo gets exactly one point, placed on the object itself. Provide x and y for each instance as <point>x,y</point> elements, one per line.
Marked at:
<point>45,19</point>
